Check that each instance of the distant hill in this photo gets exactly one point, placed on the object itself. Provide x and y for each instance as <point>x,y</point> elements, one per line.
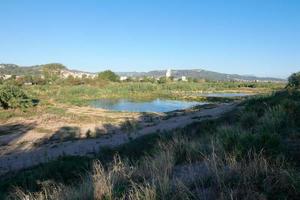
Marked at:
<point>200,74</point>
<point>12,69</point>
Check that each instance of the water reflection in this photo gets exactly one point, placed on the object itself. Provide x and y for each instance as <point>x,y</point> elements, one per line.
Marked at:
<point>157,105</point>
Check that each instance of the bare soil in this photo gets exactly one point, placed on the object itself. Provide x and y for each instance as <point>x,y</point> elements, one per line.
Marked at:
<point>28,142</point>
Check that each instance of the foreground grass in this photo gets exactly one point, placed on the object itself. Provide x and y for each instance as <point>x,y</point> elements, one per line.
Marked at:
<point>251,153</point>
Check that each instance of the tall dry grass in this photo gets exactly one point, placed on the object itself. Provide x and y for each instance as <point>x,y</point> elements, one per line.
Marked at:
<point>253,177</point>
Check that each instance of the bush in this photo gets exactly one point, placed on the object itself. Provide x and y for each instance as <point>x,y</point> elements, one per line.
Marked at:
<point>13,97</point>
<point>294,80</point>
<point>108,76</point>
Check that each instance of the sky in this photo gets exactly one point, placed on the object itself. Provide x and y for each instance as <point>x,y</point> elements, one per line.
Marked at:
<point>257,37</point>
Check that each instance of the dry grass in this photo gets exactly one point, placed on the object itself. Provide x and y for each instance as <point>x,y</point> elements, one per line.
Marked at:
<point>230,162</point>
<point>254,177</point>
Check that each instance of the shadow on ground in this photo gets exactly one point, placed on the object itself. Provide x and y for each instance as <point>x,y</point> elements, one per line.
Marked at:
<point>72,133</point>
<point>11,132</point>
<point>73,140</point>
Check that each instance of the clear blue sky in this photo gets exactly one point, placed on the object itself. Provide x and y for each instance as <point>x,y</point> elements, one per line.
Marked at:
<point>260,37</point>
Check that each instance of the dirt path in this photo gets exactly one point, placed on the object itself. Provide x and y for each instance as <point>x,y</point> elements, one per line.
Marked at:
<point>18,159</point>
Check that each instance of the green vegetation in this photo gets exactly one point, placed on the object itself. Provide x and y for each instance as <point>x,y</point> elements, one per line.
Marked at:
<point>82,94</point>
<point>34,71</point>
<point>13,97</point>
<point>79,92</point>
<point>47,85</point>
<point>294,80</point>
<point>108,76</point>
<point>51,72</point>
<point>249,153</point>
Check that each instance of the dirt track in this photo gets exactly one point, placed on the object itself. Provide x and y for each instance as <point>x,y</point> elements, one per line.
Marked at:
<point>13,157</point>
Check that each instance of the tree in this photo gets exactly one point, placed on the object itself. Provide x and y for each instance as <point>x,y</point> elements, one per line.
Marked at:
<point>13,97</point>
<point>170,78</point>
<point>51,72</point>
<point>294,80</point>
<point>108,76</point>
<point>162,80</point>
<point>53,67</point>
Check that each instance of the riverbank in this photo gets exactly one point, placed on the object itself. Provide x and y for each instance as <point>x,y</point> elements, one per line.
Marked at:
<point>51,97</point>
<point>27,148</point>
<point>250,152</point>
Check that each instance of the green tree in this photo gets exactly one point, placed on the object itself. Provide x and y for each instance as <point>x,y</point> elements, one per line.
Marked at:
<point>108,76</point>
<point>51,72</point>
<point>162,80</point>
<point>53,67</point>
<point>13,97</point>
<point>294,80</point>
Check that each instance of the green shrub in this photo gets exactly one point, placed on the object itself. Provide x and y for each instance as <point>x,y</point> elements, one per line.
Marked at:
<point>294,80</point>
<point>13,97</point>
<point>108,76</point>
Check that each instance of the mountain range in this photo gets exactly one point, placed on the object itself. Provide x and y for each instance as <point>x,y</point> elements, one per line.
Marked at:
<point>12,69</point>
<point>200,74</point>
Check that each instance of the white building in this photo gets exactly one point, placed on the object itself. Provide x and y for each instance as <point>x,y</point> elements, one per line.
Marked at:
<point>6,76</point>
<point>76,74</point>
<point>123,78</point>
<point>183,78</point>
<point>168,73</point>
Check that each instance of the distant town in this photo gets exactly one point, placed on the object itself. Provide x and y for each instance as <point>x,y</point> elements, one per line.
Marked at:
<point>8,71</point>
